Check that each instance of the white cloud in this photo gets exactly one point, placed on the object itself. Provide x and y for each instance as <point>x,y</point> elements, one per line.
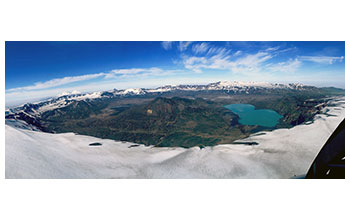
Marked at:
<point>195,63</point>
<point>253,59</point>
<point>113,74</point>
<point>222,59</point>
<point>57,82</point>
<point>218,50</point>
<point>127,71</point>
<point>167,45</point>
<point>272,48</point>
<point>287,50</point>
<point>200,48</point>
<point>251,63</point>
<point>139,72</point>
<point>183,45</point>
<point>216,58</point>
<point>322,59</point>
<point>289,66</point>
<point>237,53</point>
<point>248,64</point>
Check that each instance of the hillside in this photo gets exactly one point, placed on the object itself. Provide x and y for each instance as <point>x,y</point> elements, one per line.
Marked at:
<point>161,122</point>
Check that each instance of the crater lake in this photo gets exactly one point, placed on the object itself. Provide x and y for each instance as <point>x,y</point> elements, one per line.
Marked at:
<point>248,115</point>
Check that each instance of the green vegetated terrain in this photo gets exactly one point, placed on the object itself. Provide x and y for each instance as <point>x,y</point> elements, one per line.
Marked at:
<point>162,122</point>
<point>183,119</point>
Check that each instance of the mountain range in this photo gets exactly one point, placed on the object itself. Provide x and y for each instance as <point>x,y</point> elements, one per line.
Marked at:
<point>183,115</point>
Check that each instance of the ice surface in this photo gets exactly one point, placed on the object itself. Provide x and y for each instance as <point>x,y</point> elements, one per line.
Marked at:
<point>281,153</point>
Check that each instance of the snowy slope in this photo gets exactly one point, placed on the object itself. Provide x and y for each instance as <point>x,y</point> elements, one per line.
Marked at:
<point>281,153</point>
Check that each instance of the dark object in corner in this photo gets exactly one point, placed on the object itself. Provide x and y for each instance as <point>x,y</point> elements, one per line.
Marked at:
<point>95,144</point>
<point>330,161</point>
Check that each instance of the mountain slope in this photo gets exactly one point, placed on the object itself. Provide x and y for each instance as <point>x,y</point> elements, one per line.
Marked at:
<point>161,122</point>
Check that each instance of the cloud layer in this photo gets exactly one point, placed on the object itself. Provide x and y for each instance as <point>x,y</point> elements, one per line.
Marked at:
<point>205,56</point>
<point>113,74</point>
<point>57,82</point>
<point>322,59</point>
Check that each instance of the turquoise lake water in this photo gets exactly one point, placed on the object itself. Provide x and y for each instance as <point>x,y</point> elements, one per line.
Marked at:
<point>249,116</point>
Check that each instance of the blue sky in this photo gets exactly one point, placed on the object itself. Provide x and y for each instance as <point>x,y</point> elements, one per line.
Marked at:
<point>36,70</point>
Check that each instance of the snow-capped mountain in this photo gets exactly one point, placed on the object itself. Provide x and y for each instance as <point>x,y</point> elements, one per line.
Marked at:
<point>31,110</point>
<point>231,86</point>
